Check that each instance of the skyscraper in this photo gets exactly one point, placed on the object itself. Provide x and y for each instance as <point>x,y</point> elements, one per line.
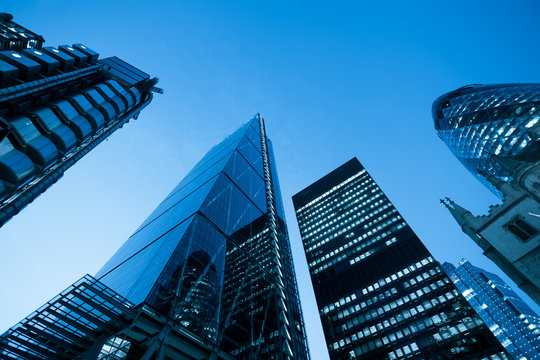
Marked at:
<point>510,319</point>
<point>380,293</point>
<point>494,131</point>
<point>479,122</point>
<point>56,104</point>
<point>209,274</point>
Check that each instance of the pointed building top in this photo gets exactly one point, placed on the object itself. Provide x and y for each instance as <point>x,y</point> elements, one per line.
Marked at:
<point>463,216</point>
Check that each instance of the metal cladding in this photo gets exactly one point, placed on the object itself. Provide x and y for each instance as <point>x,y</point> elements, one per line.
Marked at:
<point>480,122</point>
<point>66,61</point>
<point>28,68</point>
<point>49,66</point>
<point>13,36</point>
<point>90,321</point>
<point>56,104</point>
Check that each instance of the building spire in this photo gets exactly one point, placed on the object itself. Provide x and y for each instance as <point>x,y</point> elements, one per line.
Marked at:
<point>463,216</point>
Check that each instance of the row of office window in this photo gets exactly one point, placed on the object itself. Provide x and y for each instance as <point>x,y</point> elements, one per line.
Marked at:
<point>374,241</point>
<point>354,217</point>
<point>376,285</point>
<point>377,225</point>
<point>364,315</point>
<point>412,327</point>
<point>321,220</point>
<point>301,210</point>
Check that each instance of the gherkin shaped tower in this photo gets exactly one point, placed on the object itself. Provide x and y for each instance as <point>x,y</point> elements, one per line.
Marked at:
<point>480,122</point>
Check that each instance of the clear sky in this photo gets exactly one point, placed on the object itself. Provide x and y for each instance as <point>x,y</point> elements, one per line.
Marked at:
<point>332,79</point>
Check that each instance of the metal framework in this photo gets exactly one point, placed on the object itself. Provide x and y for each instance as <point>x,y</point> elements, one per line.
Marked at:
<point>88,318</point>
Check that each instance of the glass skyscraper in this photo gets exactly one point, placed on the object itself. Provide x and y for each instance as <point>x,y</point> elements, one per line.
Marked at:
<point>209,274</point>
<point>56,104</point>
<point>379,292</point>
<point>512,321</point>
<point>479,121</point>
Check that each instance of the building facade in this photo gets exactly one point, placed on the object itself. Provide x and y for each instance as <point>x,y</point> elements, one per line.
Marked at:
<point>210,269</point>
<point>494,131</point>
<point>56,104</point>
<point>380,293</point>
<point>479,122</point>
<point>508,234</point>
<point>512,321</point>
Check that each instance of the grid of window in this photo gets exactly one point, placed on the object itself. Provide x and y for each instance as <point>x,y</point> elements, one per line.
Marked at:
<point>513,322</point>
<point>356,206</point>
<point>380,294</point>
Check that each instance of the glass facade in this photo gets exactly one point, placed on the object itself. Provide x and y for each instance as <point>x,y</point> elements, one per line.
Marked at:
<point>379,292</point>
<point>478,121</point>
<point>514,323</point>
<point>215,254</point>
<point>56,104</point>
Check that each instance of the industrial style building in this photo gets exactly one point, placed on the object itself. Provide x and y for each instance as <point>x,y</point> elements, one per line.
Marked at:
<point>380,293</point>
<point>494,131</point>
<point>510,319</point>
<point>208,275</point>
<point>56,104</point>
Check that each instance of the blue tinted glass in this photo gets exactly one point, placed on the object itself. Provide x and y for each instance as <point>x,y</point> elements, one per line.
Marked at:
<point>485,120</point>
<point>254,138</point>
<point>228,144</point>
<point>211,165</point>
<point>255,126</point>
<point>134,269</point>
<point>243,175</point>
<point>164,217</point>
<point>252,156</point>
<point>228,208</point>
<point>198,261</point>
<point>218,266</point>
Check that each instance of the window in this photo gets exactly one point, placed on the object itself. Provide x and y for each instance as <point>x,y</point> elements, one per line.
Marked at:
<point>520,228</point>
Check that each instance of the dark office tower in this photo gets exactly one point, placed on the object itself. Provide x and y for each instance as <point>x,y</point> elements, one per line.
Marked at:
<point>479,121</point>
<point>56,104</point>
<point>209,274</point>
<point>380,293</point>
<point>514,323</point>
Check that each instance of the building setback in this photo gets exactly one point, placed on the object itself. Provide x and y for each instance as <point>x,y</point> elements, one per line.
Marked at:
<point>208,275</point>
<point>56,104</point>
<point>510,319</point>
<point>380,293</point>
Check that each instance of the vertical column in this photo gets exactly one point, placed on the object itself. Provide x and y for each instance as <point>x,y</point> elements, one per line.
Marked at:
<point>284,330</point>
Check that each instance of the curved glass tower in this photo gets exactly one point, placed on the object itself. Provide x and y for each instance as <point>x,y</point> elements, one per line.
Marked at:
<point>479,121</point>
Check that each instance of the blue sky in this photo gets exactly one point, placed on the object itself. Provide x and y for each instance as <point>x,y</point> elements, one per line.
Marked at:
<point>333,80</point>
